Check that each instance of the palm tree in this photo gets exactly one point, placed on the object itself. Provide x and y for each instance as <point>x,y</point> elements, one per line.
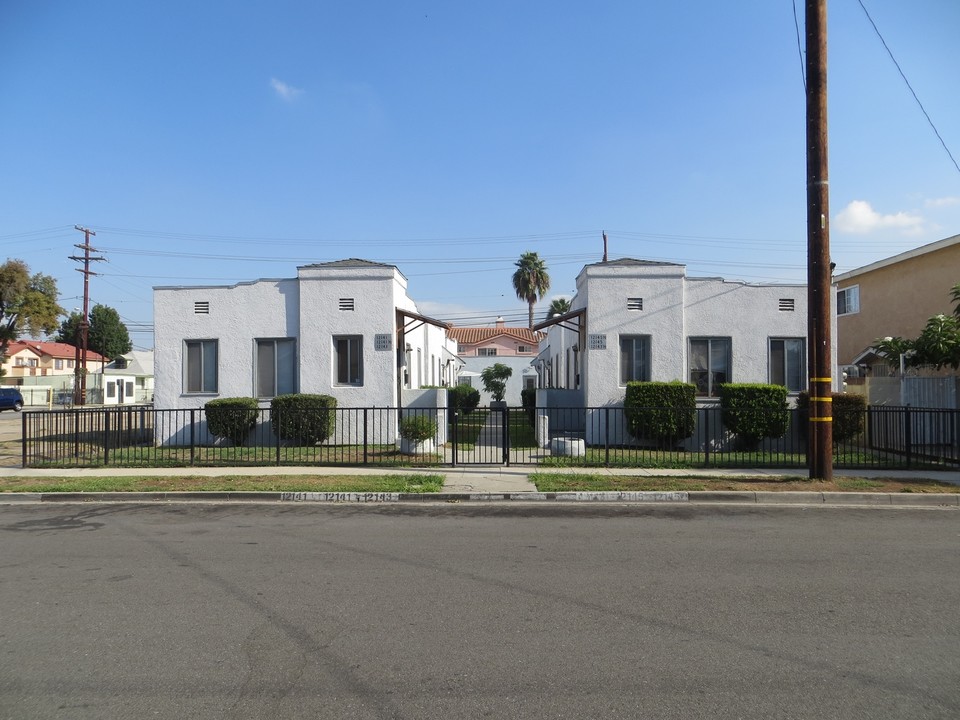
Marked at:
<point>558,306</point>
<point>531,280</point>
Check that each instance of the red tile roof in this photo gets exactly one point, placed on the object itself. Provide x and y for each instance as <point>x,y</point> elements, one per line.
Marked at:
<point>52,349</point>
<point>476,335</point>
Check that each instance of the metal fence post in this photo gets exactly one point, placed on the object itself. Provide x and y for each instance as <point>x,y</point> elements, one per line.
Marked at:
<point>193,430</point>
<point>908,435</point>
<point>505,435</point>
<point>106,436</point>
<point>606,436</point>
<point>366,459</point>
<point>706,437</point>
<point>23,440</point>
<point>276,425</point>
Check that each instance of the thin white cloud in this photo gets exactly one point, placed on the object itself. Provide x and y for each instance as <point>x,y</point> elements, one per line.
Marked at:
<point>860,218</point>
<point>285,91</point>
<point>942,202</point>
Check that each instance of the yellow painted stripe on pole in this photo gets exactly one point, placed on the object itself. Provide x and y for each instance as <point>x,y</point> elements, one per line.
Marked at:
<point>821,399</point>
<point>823,419</point>
<point>821,379</point>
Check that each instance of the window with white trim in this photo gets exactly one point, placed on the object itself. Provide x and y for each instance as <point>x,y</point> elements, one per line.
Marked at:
<point>524,348</point>
<point>788,363</point>
<point>200,366</point>
<point>275,367</point>
<point>710,363</point>
<point>634,358</point>
<point>848,300</point>
<point>348,359</point>
<point>487,352</point>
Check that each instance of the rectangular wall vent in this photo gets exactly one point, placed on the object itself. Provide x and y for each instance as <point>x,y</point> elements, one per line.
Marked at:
<point>346,303</point>
<point>786,304</point>
<point>201,307</point>
<point>634,303</point>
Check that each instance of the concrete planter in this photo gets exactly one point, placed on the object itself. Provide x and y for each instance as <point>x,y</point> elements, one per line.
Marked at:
<point>417,447</point>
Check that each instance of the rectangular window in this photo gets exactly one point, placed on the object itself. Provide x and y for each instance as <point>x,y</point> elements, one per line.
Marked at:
<point>348,359</point>
<point>788,363</point>
<point>70,363</point>
<point>276,367</point>
<point>848,300</point>
<point>111,389</point>
<point>709,364</point>
<point>523,348</point>
<point>487,352</point>
<point>58,364</point>
<point>201,366</point>
<point>634,358</point>
<point>129,389</point>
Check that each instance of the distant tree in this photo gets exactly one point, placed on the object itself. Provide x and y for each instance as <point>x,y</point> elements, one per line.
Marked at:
<point>530,280</point>
<point>558,306</point>
<point>108,335</point>
<point>28,303</point>
<point>494,380</point>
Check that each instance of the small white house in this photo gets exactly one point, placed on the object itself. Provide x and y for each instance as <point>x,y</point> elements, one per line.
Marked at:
<point>641,320</point>
<point>345,329</point>
<point>129,379</point>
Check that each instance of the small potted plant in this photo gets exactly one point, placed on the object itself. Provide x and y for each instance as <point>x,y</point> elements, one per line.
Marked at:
<point>417,433</point>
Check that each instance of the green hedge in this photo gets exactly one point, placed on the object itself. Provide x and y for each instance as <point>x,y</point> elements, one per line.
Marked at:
<point>528,399</point>
<point>303,419</point>
<point>663,412</point>
<point>231,418</point>
<point>848,414</point>
<point>463,398</point>
<point>753,412</point>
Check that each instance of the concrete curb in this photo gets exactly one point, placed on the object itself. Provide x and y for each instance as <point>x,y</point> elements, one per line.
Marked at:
<point>655,497</point>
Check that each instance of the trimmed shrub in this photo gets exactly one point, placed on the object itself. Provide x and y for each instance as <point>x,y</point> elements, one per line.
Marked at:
<point>848,414</point>
<point>754,411</point>
<point>231,418</point>
<point>528,399</point>
<point>663,412</point>
<point>303,419</point>
<point>463,398</point>
<point>417,428</point>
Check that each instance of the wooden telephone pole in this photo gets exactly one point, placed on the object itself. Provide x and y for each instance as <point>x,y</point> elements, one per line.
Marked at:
<point>80,373</point>
<point>819,362</point>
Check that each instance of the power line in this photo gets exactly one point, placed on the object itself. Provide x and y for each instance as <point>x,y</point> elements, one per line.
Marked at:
<point>909,86</point>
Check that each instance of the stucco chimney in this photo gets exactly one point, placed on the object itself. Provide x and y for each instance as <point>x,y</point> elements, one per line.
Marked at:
<point>500,322</point>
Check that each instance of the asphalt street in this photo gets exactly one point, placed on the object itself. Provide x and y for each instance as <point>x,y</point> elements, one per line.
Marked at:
<point>471,611</point>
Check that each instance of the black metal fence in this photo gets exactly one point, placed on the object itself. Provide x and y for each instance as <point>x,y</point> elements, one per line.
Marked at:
<point>132,436</point>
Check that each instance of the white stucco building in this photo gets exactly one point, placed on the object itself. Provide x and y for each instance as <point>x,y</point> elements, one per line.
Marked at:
<point>641,320</point>
<point>345,328</point>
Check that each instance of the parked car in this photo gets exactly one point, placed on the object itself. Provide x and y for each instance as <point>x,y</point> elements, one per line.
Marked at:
<point>11,399</point>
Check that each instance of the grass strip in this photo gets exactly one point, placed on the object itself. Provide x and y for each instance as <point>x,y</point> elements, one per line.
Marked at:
<point>415,483</point>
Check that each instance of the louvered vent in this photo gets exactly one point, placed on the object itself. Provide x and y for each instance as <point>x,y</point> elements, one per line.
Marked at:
<point>346,303</point>
<point>787,304</point>
<point>634,303</point>
<point>201,307</point>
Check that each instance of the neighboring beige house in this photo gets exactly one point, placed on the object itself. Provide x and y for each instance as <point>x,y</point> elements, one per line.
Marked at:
<point>481,347</point>
<point>33,358</point>
<point>894,297</point>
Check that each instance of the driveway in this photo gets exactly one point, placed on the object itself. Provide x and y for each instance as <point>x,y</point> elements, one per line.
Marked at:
<point>11,433</point>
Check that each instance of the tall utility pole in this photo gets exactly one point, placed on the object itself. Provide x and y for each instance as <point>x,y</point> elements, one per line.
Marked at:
<point>819,363</point>
<point>80,373</point>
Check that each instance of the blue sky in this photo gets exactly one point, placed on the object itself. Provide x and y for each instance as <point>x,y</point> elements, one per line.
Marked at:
<point>214,142</point>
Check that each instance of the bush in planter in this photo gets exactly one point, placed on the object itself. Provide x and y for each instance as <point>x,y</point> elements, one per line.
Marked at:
<point>754,411</point>
<point>494,380</point>
<point>463,398</point>
<point>303,419</point>
<point>231,418</point>
<point>417,428</point>
<point>663,412</point>
<point>848,412</point>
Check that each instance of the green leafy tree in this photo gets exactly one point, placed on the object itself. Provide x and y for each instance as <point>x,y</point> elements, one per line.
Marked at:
<point>494,380</point>
<point>937,345</point>
<point>558,306</point>
<point>28,303</point>
<point>530,280</point>
<point>69,331</point>
<point>108,335</point>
